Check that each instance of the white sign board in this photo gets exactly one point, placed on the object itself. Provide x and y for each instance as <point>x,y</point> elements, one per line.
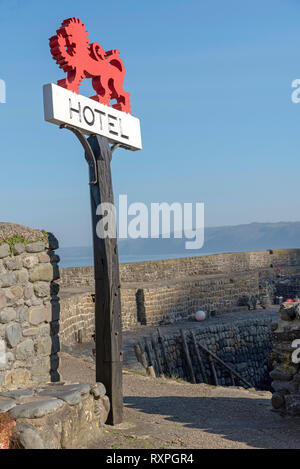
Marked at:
<point>62,106</point>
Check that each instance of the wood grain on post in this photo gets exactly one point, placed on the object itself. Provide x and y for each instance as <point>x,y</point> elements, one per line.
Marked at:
<point>109,354</point>
<point>187,357</point>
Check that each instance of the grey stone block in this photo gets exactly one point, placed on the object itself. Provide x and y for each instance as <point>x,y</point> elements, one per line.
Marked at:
<point>42,272</point>
<point>18,248</point>
<point>43,345</point>
<point>36,409</point>
<point>14,294</point>
<point>13,263</point>
<point>83,388</point>
<point>284,386</point>
<point>25,350</point>
<point>278,375</point>
<point>7,315</point>
<point>7,280</point>
<point>101,408</point>
<point>4,250</point>
<point>31,331</point>
<point>41,289</point>
<point>18,393</point>
<point>6,405</point>
<point>13,334</point>
<point>21,277</point>
<point>28,436</point>
<point>40,368</point>
<point>38,246</point>
<point>37,315</point>
<point>2,300</point>
<point>30,261</point>
<point>72,397</point>
<point>98,390</point>
<point>22,313</point>
<point>292,402</point>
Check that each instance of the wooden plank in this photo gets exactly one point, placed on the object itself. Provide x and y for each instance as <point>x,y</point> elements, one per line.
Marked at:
<point>108,324</point>
<point>140,356</point>
<point>161,341</point>
<point>187,357</point>
<point>200,361</point>
<point>148,351</point>
<point>232,370</point>
<point>148,366</point>
<point>150,358</point>
<point>213,369</point>
<point>160,370</point>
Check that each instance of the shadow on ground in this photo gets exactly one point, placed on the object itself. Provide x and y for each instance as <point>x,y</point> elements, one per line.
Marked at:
<point>247,420</point>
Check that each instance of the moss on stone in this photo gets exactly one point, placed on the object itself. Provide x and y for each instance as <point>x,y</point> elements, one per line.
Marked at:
<point>21,239</point>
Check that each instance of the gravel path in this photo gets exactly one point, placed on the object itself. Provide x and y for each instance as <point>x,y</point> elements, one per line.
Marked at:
<point>163,413</point>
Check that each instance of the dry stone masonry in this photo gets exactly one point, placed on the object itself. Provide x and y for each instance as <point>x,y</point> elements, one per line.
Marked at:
<point>29,307</point>
<point>77,323</point>
<point>176,269</point>
<point>46,413</point>
<point>162,292</point>
<point>244,346</point>
<point>286,372</point>
<point>57,416</point>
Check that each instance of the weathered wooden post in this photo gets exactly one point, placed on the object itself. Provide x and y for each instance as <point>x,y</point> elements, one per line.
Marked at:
<point>108,321</point>
<point>104,125</point>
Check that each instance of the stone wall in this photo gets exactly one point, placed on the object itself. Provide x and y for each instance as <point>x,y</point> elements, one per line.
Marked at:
<point>77,321</point>
<point>173,302</point>
<point>285,361</point>
<point>244,346</point>
<point>157,305</point>
<point>172,269</point>
<point>57,416</point>
<point>161,292</point>
<point>29,307</point>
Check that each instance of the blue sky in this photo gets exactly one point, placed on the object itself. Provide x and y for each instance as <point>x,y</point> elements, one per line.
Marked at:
<point>210,81</point>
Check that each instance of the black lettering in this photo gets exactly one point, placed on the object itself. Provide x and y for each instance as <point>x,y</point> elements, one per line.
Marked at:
<point>111,124</point>
<point>72,109</point>
<point>100,117</point>
<point>92,115</point>
<point>121,130</point>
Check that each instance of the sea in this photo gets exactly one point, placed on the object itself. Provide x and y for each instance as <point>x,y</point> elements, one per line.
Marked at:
<point>83,257</point>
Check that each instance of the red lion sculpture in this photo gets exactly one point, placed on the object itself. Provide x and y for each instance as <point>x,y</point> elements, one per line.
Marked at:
<point>73,53</point>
